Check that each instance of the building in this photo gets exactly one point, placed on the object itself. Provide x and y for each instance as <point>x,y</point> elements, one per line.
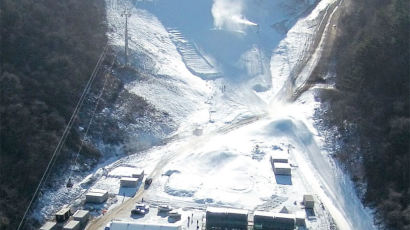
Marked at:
<point>273,221</point>
<point>139,173</point>
<point>96,196</point>
<point>224,218</point>
<point>282,168</point>
<point>300,218</point>
<point>129,182</point>
<point>308,201</point>
<point>124,225</point>
<point>279,158</point>
<point>63,215</point>
<point>82,216</point>
<point>72,225</point>
<point>49,226</point>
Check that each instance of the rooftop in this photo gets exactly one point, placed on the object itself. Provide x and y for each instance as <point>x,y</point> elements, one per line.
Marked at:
<point>281,165</point>
<point>129,179</point>
<point>81,213</point>
<point>63,211</point>
<point>95,190</point>
<point>227,210</point>
<point>72,224</point>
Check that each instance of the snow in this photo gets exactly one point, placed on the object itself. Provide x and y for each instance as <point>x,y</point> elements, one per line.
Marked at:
<point>228,68</point>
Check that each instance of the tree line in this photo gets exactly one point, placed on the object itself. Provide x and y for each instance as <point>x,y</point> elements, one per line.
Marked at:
<point>372,103</point>
<point>48,50</point>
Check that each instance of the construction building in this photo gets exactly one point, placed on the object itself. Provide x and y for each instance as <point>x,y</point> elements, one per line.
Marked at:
<point>49,226</point>
<point>96,196</point>
<point>278,158</point>
<point>72,225</point>
<point>282,168</point>
<point>226,218</point>
<point>82,216</point>
<point>129,182</point>
<point>273,221</point>
<point>125,225</point>
<point>63,215</point>
<point>308,201</point>
<point>139,173</point>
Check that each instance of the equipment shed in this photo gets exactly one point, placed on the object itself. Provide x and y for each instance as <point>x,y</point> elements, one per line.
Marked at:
<point>82,216</point>
<point>72,225</point>
<point>63,215</point>
<point>226,218</point>
<point>129,182</point>
<point>279,158</point>
<point>138,173</point>
<point>282,168</point>
<point>123,225</point>
<point>278,221</point>
<point>93,197</point>
<point>49,226</point>
<point>308,201</point>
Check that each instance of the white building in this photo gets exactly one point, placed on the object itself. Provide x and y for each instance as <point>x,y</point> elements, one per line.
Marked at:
<point>82,216</point>
<point>308,201</point>
<point>282,168</point>
<point>124,225</point>
<point>138,173</point>
<point>72,225</point>
<point>129,182</point>
<point>96,196</point>
<point>49,226</point>
<point>279,158</point>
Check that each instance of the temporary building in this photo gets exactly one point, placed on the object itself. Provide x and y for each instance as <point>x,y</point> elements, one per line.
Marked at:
<point>268,220</point>
<point>300,218</point>
<point>308,201</point>
<point>63,215</point>
<point>226,218</point>
<point>72,225</point>
<point>139,173</point>
<point>129,182</point>
<point>49,226</point>
<point>282,168</point>
<point>279,158</point>
<point>96,196</point>
<point>82,216</point>
<point>124,225</point>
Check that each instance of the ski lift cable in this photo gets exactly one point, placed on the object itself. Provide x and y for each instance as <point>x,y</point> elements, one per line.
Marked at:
<point>63,138</point>
<point>92,116</point>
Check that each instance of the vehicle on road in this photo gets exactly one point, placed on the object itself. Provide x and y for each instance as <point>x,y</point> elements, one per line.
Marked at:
<point>148,182</point>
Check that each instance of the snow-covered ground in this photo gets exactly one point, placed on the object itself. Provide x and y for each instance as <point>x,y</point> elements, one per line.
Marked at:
<point>224,71</point>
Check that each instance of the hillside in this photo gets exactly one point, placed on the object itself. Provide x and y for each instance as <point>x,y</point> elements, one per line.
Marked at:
<point>48,51</point>
<point>371,105</point>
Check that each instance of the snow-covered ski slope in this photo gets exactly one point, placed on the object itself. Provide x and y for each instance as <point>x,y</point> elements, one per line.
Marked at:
<point>225,70</point>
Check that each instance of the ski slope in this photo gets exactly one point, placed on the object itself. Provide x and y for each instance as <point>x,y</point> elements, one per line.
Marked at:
<point>225,71</point>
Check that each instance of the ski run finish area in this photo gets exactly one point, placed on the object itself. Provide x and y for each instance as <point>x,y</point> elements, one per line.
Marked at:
<point>227,72</point>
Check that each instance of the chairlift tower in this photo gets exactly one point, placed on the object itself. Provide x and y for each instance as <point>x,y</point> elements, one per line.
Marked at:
<point>126,14</point>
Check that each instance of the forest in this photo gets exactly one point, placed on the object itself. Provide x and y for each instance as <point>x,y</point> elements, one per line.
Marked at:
<point>48,50</point>
<point>371,104</point>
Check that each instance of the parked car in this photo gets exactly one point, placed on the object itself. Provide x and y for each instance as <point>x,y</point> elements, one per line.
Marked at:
<point>174,214</point>
<point>164,208</point>
<point>138,211</point>
<point>142,206</point>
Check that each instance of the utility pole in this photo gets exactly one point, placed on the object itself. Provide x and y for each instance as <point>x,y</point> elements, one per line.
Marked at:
<point>126,14</point>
